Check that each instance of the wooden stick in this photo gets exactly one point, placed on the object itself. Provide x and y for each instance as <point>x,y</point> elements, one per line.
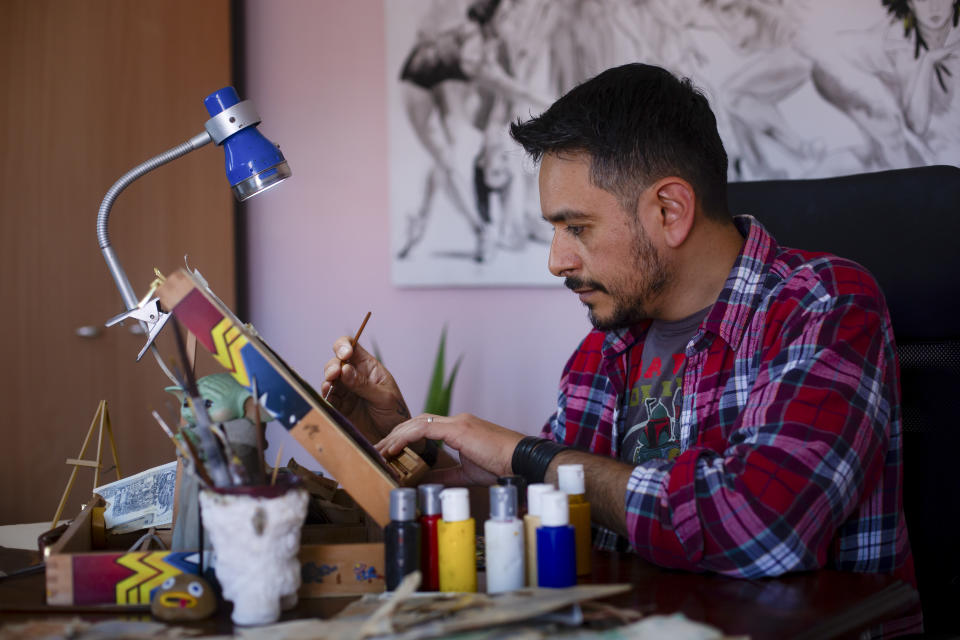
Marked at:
<point>99,465</point>
<point>192,352</point>
<point>113,443</point>
<point>261,445</point>
<point>353,343</point>
<point>276,466</point>
<point>179,445</point>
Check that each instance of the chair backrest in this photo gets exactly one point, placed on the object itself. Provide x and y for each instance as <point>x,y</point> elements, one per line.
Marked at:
<point>904,226</point>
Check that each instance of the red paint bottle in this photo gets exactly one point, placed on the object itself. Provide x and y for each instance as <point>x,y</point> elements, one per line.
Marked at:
<point>429,517</point>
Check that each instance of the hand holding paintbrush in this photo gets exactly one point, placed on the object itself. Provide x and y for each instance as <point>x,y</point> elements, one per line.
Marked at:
<point>353,344</point>
<point>366,393</point>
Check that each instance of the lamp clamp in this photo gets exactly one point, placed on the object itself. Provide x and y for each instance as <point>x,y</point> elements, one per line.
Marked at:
<point>150,314</point>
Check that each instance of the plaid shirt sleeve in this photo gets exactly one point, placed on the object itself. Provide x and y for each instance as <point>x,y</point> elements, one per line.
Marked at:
<point>786,444</point>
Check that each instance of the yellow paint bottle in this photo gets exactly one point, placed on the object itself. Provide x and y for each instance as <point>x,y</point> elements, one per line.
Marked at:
<point>531,521</point>
<point>457,542</point>
<point>570,481</point>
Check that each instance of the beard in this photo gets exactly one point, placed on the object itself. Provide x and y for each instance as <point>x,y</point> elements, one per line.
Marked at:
<point>631,294</point>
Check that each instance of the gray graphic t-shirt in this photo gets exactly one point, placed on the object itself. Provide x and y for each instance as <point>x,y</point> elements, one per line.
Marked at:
<point>655,399</point>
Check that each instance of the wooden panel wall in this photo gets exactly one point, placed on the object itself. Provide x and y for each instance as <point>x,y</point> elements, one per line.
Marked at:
<point>92,89</point>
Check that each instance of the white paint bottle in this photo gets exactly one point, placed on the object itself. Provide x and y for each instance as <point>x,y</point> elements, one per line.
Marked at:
<point>503,535</point>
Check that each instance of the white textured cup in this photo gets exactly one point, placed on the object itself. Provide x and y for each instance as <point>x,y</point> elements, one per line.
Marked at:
<point>256,537</point>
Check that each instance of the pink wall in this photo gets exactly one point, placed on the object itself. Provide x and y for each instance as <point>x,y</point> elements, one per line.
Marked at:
<point>319,244</point>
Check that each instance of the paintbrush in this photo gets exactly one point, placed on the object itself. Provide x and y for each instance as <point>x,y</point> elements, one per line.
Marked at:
<point>213,459</point>
<point>238,473</point>
<point>353,343</point>
<point>262,476</point>
<point>198,465</point>
<point>173,438</point>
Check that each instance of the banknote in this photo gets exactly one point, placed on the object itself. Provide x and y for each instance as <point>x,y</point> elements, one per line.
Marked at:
<point>140,501</point>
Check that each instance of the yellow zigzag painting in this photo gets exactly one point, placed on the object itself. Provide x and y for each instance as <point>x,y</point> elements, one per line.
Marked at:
<point>229,341</point>
<point>150,571</point>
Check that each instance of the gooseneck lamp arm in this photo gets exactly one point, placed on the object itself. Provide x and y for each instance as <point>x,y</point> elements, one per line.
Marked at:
<point>103,217</point>
<point>253,165</point>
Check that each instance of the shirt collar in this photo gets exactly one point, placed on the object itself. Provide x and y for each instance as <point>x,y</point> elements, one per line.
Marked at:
<point>730,315</point>
<point>744,287</point>
<point>619,340</point>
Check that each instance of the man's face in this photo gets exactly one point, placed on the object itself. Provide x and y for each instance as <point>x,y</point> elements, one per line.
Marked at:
<point>600,250</point>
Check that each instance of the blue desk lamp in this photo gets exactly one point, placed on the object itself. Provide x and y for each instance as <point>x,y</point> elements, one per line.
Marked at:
<point>253,165</point>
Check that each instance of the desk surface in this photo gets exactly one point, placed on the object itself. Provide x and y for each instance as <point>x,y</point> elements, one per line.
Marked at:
<point>816,604</point>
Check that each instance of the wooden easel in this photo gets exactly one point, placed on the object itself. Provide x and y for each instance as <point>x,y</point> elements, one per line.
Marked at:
<point>101,417</point>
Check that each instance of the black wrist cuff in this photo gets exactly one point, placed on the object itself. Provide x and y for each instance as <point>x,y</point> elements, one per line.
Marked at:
<point>532,456</point>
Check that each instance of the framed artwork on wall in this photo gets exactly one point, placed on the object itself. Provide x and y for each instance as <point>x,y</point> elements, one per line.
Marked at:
<point>801,89</point>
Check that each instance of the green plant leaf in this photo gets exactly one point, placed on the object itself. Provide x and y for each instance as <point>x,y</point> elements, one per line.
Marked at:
<point>440,390</point>
<point>435,390</point>
<point>447,392</point>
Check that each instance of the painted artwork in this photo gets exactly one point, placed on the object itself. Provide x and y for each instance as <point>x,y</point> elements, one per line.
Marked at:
<point>801,89</point>
<point>126,578</point>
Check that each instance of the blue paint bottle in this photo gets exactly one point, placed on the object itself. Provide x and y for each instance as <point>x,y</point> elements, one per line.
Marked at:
<point>556,543</point>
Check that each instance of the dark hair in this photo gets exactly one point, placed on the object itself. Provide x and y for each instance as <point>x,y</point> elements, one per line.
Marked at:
<point>639,123</point>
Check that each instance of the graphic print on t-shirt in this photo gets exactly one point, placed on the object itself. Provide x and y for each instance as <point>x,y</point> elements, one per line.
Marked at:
<point>652,415</point>
<point>653,412</point>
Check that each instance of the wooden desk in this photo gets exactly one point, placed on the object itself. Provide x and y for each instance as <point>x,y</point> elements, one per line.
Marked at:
<point>815,605</point>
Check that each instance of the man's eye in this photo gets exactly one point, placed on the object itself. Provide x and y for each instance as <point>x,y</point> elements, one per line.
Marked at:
<point>574,230</point>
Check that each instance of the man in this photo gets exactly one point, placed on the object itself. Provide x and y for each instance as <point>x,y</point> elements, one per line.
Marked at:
<point>736,407</point>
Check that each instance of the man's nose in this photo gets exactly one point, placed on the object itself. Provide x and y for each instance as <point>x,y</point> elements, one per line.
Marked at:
<point>563,258</point>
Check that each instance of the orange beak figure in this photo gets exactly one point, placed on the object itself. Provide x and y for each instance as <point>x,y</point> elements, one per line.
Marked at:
<point>183,598</point>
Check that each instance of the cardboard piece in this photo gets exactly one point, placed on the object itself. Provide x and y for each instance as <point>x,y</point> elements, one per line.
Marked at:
<point>329,437</point>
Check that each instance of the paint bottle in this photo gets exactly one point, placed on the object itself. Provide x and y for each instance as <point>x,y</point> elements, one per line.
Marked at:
<point>401,537</point>
<point>521,484</point>
<point>429,517</point>
<point>570,481</point>
<point>503,535</point>
<point>556,543</point>
<point>457,542</point>
<point>530,523</point>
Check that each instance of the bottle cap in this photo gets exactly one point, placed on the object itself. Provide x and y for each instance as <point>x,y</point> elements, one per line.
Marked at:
<point>570,479</point>
<point>455,504</point>
<point>403,504</point>
<point>534,493</point>
<point>556,511</point>
<point>503,502</point>
<point>430,499</point>
<point>520,483</point>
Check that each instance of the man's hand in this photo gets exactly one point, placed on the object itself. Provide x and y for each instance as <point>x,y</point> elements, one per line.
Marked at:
<point>486,449</point>
<point>363,390</point>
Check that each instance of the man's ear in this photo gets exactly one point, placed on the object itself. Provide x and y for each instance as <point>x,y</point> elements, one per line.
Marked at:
<point>677,202</point>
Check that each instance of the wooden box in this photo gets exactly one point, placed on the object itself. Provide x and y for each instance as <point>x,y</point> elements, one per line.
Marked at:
<point>329,437</point>
<point>334,561</point>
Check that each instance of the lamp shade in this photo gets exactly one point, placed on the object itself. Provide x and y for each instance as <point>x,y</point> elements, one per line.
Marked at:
<point>253,163</point>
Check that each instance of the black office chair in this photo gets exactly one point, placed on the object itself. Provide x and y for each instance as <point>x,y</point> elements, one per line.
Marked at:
<point>904,226</point>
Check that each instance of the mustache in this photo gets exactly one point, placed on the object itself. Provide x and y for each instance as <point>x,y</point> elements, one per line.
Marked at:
<point>573,283</point>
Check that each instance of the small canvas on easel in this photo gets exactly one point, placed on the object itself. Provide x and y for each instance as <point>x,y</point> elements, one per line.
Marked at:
<point>326,434</point>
